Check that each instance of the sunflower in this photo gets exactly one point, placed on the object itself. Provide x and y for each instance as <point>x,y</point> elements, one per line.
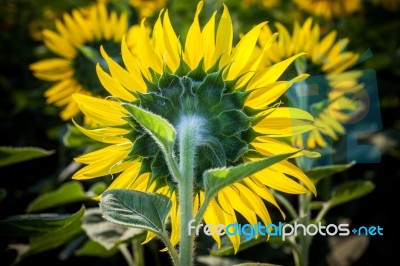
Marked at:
<point>147,8</point>
<point>264,3</point>
<point>226,89</point>
<point>330,8</point>
<point>326,60</point>
<point>75,43</point>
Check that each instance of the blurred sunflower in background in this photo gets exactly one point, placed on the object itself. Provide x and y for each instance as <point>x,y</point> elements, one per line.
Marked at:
<point>225,89</point>
<point>330,8</point>
<point>263,3</point>
<point>147,8</point>
<point>327,58</point>
<point>75,43</point>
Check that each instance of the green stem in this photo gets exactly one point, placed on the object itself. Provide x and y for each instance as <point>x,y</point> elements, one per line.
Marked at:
<point>288,206</point>
<point>171,249</point>
<point>322,213</point>
<point>188,139</point>
<point>296,252</point>
<point>173,168</point>
<point>304,240</point>
<point>138,252</point>
<point>127,255</point>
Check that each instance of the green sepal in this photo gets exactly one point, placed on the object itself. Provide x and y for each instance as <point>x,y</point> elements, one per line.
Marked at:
<point>198,74</point>
<point>211,89</point>
<point>233,122</point>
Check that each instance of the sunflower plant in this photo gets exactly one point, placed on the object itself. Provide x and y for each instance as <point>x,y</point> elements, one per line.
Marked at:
<point>188,126</point>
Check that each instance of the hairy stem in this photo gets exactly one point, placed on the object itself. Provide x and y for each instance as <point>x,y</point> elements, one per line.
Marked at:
<point>188,134</point>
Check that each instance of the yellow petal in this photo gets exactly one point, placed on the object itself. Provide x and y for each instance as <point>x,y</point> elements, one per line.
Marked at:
<point>132,65</point>
<point>51,65</point>
<point>243,52</point>
<point>110,135</point>
<point>277,180</point>
<point>208,37</point>
<point>271,74</point>
<point>172,43</point>
<point>104,112</point>
<point>194,50</point>
<point>147,57</point>
<point>269,146</point>
<point>223,42</point>
<point>229,218</point>
<point>260,190</point>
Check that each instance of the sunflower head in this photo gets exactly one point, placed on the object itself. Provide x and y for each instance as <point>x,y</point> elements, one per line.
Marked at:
<point>75,43</point>
<point>226,92</point>
<point>328,93</point>
<point>330,8</point>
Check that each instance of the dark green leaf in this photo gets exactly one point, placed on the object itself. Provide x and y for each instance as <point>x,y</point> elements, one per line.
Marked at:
<point>136,209</point>
<point>318,173</point>
<point>67,193</point>
<point>37,224</point>
<point>12,155</point>
<point>54,239</point>
<point>92,248</point>
<point>349,191</point>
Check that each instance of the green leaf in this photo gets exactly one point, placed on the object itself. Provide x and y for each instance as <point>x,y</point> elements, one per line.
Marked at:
<point>158,128</point>
<point>37,224</point>
<point>349,191</point>
<point>97,188</point>
<point>136,209</point>
<point>316,205</point>
<point>54,239</point>
<point>108,235</point>
<point>12,155</point>
<point>217,179</point>
<point>318,173</point>
<point>44,233</point>
<point>67,193</point>
<point>92,248</point>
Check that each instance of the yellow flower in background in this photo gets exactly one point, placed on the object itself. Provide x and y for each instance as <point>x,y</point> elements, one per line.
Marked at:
<point>75,43</point>
<point>264,3</point>
<point>147,8</point>
<point>325,55</point>
<point>330,8</point>
<point>224,87</point>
